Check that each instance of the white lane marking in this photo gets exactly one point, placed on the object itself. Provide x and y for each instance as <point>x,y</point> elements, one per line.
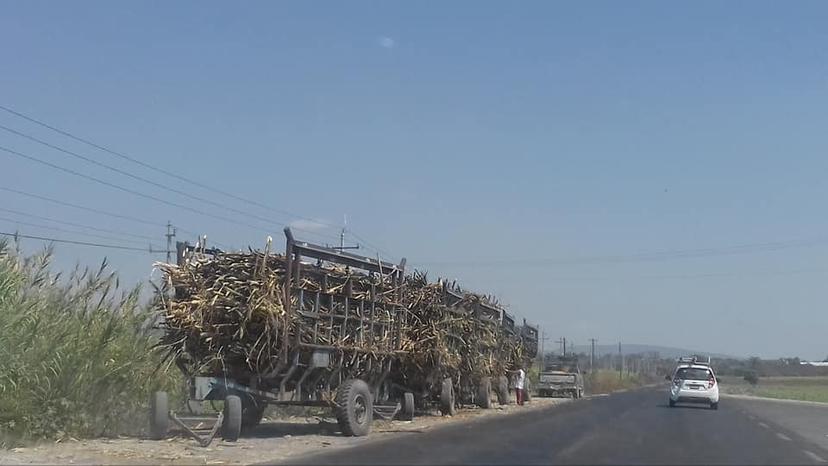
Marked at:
<point>783,436</point>
<point>762,424</point>
<point>814,456</point>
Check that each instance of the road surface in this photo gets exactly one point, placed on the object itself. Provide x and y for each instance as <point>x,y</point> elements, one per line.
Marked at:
<point>636,427</point>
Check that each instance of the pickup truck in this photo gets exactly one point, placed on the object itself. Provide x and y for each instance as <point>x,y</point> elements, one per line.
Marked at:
<point>561,378</point>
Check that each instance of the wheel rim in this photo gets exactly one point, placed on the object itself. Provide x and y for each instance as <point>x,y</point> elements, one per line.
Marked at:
<point>360,409</point>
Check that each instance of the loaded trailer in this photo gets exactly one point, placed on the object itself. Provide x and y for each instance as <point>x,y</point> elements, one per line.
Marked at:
<point>459,362</point>
<point>334,326</point>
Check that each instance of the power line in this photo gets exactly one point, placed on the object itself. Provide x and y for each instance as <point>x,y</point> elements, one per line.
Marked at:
<point>63,230</point>
<point>146,165</point>
<point>370,246</point>
<point>81,243</point>
<point>641,257</point>
<point>88,209</point>
<point>166,172</point>
<point>128,190</point>
<point>97,211</point>
<point>64,222</point>
<point>141,178</point>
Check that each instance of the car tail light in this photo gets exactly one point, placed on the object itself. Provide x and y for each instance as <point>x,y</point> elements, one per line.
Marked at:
<point>710,382</point>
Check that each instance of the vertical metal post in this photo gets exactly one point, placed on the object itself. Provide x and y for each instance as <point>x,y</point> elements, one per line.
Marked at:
<point>170,235</point>
<point>286,296</point>
<point>620,363</point>
<point>592,355</point>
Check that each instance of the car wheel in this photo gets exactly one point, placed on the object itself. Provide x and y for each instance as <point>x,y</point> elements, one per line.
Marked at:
<point>672,403</point>
<point>714,405</point>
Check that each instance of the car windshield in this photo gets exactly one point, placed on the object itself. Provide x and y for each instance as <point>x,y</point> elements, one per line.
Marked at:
<point>692,373</point>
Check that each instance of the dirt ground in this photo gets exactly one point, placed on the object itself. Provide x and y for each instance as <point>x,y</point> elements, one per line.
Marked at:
<point>273,440</point>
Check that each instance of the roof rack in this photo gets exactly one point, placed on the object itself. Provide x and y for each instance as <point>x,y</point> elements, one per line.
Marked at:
<point>695,359</point>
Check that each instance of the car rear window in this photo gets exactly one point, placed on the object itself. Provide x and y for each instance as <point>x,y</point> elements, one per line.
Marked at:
<point>690,373</point>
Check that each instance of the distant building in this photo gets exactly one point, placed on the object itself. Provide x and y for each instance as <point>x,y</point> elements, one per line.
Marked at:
<point>814,363</point>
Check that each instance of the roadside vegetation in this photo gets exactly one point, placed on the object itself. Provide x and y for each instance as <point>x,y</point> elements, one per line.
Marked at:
<point>814,388</point>
<point>607,381</point>
<point>76,351</point>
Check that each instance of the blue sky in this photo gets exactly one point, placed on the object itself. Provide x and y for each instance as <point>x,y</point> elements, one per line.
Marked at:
<point>519,148</point>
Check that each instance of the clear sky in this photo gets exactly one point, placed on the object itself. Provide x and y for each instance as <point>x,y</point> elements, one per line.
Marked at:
<point>548,153</point>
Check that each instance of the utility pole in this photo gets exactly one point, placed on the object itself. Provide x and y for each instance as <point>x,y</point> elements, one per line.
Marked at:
<point>592,355</point>
<point>621,363</point>
<point>170,235</point>
<point>562,342</point>
<point>542,361</point>
<point>342,247</point>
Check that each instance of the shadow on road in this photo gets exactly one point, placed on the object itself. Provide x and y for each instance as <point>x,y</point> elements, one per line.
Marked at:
<point>281,429</point>
<point>685,406</point>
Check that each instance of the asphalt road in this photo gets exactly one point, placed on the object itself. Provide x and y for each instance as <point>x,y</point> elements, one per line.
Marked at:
<point>635,427</point>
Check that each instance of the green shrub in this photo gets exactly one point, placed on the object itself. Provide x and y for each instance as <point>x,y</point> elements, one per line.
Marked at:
<point>751,377</point>
<point>76,354</point>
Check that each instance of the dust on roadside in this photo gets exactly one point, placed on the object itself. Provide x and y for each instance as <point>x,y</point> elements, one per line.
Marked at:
<point>273,440</point>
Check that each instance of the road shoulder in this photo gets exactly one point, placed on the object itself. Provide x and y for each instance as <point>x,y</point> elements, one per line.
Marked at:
<point>775,400</point>
<point>807,420</point>
<point>273,441</point>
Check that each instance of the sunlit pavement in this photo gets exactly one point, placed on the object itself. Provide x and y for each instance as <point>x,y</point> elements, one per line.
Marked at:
<point>636,427</point>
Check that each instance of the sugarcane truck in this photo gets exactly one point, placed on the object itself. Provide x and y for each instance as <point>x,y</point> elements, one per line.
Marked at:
<point>351,381</point>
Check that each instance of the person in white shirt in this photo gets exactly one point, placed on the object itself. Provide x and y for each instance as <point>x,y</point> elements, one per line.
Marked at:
<point>520,381</point>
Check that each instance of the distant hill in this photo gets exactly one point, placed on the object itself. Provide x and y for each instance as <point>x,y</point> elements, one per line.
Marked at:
<point>663,351</point>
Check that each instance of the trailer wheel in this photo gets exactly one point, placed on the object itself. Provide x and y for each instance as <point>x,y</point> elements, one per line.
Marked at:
<point>252,415</point>
<point>484,393</point>
<point>408,406</point>
<point>159,415</point>
<point>502,390</point>
<point>447,406</point>
<point>232,424</point>
<point>355,408</point>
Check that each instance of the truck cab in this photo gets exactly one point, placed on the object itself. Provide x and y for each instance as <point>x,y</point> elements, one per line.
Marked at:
<point>561,378</point>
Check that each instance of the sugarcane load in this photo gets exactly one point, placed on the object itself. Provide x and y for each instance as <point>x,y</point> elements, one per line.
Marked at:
<point>317,326</point>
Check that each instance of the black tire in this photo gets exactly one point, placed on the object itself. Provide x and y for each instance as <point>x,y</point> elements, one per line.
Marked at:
<point>447,405</point>
<point>252,415</point>
<point>484,393</point>
<point>672,403</point>
<point>407,406</point>
<point>232,424</point>
<point>502,390</point>
<point>355,408</point>
<point>159,415</point>
<point>714,405</point>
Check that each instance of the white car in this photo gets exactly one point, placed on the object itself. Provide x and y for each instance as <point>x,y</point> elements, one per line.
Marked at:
<point>694,381</point>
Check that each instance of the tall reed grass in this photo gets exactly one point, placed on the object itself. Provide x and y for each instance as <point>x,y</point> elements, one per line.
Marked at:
<point>76,352</point>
